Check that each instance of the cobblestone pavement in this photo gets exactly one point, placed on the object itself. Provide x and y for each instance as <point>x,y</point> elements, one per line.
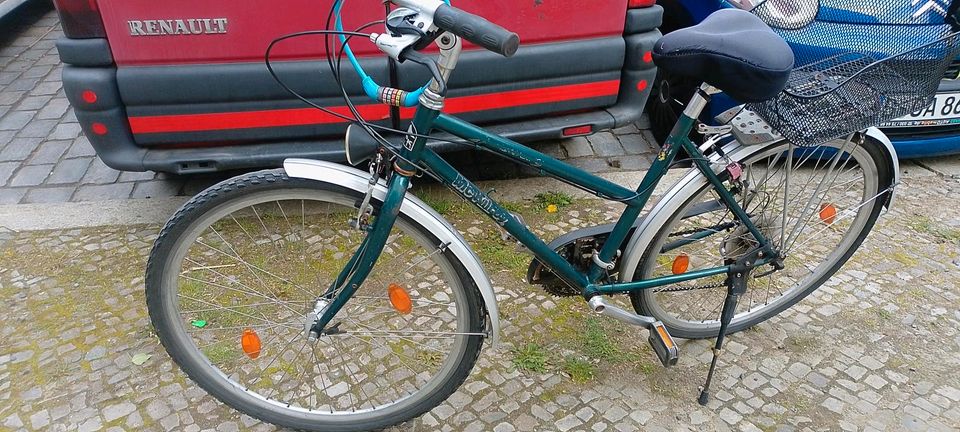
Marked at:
<point>44,157</point>
<point>876,348</point>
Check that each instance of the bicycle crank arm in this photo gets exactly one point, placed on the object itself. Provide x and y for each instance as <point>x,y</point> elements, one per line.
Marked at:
<point>659,339</point>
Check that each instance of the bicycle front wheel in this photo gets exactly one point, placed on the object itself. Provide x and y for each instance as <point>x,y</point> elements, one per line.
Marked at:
<point>815,204</point>
<point>236,273</point>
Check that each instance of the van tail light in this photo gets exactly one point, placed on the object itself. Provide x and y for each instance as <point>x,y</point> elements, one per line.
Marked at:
<point>635,4</point>
<point>578,130</point>
<point>80,18</point>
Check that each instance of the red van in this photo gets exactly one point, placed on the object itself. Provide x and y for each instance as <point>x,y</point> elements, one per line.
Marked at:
<point>180,85</point>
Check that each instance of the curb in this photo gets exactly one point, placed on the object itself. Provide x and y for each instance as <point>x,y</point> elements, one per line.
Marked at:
<point>156,211</point>
<point>37,217</point>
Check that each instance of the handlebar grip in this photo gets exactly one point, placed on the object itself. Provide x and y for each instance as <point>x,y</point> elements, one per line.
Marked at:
<point>477,30</point>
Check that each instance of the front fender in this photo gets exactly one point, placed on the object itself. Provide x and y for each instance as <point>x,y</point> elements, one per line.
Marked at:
<point>417,210</point>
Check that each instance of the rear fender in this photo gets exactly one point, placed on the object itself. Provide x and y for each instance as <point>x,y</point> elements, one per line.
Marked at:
<point>417,210</point>
<point>892,159</point>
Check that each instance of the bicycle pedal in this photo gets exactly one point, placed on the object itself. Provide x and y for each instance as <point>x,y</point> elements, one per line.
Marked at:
<point>663,344</point>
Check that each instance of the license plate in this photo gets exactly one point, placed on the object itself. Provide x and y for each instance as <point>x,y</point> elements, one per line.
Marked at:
<point>944,110</point>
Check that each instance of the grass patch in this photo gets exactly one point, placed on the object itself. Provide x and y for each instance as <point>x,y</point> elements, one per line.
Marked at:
<point>500,254</point>
<point>597,345</point>
<point>512,206</point>
<point>559,199</point>
<point>800,342</point>
<point>531,358</point>
<point>926,225</point>
<point>580,371</point>
<point>647,368</point>
<point>442,205</point>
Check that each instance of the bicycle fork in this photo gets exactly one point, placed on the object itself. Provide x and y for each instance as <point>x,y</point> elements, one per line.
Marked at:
<point>358,268</point>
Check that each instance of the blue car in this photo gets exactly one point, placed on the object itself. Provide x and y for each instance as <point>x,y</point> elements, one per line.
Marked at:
<point>933,131</point>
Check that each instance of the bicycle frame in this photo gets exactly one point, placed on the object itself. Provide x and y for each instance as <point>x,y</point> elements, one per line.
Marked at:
<point>415,155</point>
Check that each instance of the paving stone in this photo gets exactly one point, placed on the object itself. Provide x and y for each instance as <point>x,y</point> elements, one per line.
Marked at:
<point>91,425</point>
<point>13,421</point>
<point>40,419</point>
<point>577,147</point>
<point>103,192</point>
<point>591,164</point>
<point>605,144</point>
<point>49,152</point>
<point>31,175</point>
<point>69,171</point>
<point>157,409</point>
<point>629,163</point>
<point>10,97</point>
<point>119,410</point>
<point>6,137</point>
<point>16,120</point>
<point>65,131</point>
<point>568,422</point>
<point>799,370</point>
<point>37,129</point>
<point>19,149</point>
<point>6,171</point>
<point>856,372</point>
<point>81,147</point>
<point>100,173</point>
<point>11,195</point>
<point>49,195</point>
<point>730,416</point>
<point>817,380</point>
<point>46,88</point>
<point>33,103</point>
<point>54,109</point>
<point>137,176</point>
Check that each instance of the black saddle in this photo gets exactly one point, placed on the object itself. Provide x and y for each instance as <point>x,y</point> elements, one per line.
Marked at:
<point>732,50</point>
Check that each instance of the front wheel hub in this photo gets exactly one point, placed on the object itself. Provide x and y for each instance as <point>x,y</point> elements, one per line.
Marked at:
<point>311,319</point>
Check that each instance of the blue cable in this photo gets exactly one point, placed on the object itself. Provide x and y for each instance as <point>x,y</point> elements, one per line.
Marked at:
<point>370,87</point>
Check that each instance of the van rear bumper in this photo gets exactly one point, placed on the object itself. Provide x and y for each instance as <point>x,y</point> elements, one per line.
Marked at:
<point>107,120</point>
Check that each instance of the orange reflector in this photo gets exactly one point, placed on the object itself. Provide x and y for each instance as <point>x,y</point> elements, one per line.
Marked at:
<point>667,340</point>
<point>399,299</point>
<point>680,264</point>
<point>250,343</point>
<point>828,213</point>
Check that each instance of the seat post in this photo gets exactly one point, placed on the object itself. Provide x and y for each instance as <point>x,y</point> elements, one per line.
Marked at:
<point>699,100</point>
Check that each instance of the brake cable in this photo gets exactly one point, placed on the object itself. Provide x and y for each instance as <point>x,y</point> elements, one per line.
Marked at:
<point>373,90</point>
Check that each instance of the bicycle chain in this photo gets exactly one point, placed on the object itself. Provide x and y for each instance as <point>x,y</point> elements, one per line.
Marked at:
<point>693,288</point>
<point>717,228</point>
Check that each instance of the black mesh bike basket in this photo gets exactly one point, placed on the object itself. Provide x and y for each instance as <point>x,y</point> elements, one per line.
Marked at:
<point>858,63</point>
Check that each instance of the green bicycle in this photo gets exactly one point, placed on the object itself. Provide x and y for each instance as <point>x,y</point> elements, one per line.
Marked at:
<point>322,297</point>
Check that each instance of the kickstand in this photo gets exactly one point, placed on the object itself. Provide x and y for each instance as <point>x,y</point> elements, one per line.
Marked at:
<point>736,285</point>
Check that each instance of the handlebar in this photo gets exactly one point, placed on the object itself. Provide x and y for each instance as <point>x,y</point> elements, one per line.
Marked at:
<point>476,29</point>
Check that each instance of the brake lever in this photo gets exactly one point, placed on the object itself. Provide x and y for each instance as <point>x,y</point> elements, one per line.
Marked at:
<point>430,63</point>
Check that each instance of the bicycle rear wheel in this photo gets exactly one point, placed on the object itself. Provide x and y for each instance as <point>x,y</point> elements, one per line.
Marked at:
<point>816,204</point>
<point>235,273</point>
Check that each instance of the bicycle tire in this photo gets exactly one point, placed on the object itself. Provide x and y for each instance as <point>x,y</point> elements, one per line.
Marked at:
<point>652,303</point>
<point>169,324</point>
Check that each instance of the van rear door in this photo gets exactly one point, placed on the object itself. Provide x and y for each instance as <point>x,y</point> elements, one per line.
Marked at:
<point>191,73</point>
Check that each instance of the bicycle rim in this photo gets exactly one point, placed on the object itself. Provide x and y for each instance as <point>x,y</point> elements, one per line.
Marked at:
<point>830,196</point>
<point>257,264</point>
